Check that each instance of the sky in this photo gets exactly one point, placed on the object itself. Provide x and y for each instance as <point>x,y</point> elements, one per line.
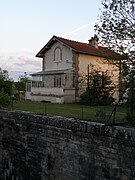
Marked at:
<point>27,25</point>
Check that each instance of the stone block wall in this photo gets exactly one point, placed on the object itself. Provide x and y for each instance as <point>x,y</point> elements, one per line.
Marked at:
<point>35,147</point>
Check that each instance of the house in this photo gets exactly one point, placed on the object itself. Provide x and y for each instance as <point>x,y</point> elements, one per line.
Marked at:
<point>64,63</point>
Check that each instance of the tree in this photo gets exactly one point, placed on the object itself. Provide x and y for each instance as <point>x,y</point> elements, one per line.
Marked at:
<point>5,82</point>
<point>5,100</point>
<point>99,89</point>
<point>6,86</point>
<point>21,84</point>
<point>117,27</point>
<point>4,74</point>
<point>5,89</point>
<point>116,30</point>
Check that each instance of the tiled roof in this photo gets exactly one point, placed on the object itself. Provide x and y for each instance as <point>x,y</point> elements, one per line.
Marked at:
<point>80,47</point>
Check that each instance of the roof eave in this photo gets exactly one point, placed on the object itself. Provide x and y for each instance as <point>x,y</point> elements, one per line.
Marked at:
<point>46,47</point>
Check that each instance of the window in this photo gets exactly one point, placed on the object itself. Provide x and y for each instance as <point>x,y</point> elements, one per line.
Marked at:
<point>57,81</point>
<point>57,54</point>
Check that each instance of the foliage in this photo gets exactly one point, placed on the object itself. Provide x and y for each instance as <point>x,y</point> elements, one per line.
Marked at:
<point>12,88</point>
<point>99,89</point>
<point>21,84</point>
<point>6,86</point>
<point>5,82</point>
<point>116,30</point>
<point>131,98</point>
<point>5,100</point>
<point>4,74</point>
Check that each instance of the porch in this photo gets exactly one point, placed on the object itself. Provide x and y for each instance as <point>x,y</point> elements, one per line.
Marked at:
<point>53,86</point>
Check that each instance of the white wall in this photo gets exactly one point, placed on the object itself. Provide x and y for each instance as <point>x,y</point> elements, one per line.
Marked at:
<point>47,91</point>
<point>52,99</point>
<point>54,95</point>
<point>67,55</point>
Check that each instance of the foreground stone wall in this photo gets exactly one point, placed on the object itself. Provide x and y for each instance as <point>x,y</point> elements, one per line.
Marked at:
<point>35,147</point>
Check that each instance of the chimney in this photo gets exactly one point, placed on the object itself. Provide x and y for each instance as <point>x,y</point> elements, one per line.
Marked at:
<point>94,41</point>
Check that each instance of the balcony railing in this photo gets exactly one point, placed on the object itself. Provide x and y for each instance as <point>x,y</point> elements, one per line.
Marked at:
<point>37,84</point>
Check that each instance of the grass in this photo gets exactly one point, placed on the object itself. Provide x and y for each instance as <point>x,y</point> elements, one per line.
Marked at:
<point>89,113</point>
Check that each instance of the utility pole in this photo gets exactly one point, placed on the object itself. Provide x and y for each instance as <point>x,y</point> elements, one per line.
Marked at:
<point>88,77</point>
<point>88,82</point>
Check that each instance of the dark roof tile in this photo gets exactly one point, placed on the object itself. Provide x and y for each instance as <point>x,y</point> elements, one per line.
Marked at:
<point>80,47</point>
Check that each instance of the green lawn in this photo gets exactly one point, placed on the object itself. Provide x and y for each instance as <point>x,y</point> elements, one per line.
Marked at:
<point>89,113</point>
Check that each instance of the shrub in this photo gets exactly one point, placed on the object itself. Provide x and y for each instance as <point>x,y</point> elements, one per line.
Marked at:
<point>99,90</point>
<point>5,100</point>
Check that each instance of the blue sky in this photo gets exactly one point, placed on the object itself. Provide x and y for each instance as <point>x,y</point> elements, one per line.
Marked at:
<point>27,25</point>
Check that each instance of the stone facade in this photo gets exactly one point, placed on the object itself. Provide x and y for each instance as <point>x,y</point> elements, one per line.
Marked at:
<point>35,147</point>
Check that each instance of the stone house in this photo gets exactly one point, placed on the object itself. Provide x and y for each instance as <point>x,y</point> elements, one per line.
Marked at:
<point>64,63</point>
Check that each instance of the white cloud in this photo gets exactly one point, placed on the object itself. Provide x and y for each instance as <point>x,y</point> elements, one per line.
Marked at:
<point>20,62</point>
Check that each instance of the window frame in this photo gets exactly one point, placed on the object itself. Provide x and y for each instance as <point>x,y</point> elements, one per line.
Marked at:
<point>57,81</point>
<point>57,54</point>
